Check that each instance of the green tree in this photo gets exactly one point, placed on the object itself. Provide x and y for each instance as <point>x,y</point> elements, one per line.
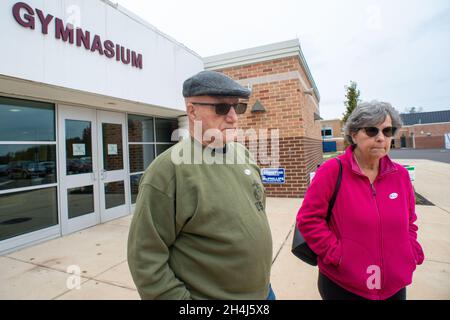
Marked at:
<point>352,96</point>
<point>414,110</point>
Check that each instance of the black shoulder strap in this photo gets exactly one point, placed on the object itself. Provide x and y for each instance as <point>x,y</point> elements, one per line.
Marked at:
<point>336,190</point>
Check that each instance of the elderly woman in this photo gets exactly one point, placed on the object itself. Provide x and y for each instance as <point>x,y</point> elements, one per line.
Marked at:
<point>369,248</point>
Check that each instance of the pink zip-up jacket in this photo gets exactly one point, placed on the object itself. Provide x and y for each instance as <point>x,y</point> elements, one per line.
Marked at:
<point>370,245</point>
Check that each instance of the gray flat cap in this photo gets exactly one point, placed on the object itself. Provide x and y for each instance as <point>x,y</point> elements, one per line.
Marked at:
<point>211,83</point>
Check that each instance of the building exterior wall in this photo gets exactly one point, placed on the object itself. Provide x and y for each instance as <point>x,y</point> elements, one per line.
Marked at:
<point>335,124</point>
<point>278,85</point>
<point>423,136</point>
<point>338,134</point>
<point>33,55</point>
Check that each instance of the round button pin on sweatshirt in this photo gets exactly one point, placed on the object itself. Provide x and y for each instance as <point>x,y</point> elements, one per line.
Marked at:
<point>248,172</point>
<point>393,196</point>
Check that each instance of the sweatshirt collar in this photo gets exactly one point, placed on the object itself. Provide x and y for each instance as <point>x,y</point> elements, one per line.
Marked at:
<point>386,164</point>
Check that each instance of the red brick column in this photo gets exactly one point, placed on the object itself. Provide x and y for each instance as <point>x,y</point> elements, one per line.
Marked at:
<point>278,86</point>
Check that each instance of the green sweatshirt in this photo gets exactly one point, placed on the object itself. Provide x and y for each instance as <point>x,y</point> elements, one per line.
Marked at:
<point>200,231</point>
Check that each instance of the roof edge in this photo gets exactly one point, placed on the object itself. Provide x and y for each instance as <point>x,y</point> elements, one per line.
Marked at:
<point>147,24</point>
<point>269,52</point>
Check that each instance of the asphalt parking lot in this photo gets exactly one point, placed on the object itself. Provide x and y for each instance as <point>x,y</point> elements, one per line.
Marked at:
<point>426,154</point>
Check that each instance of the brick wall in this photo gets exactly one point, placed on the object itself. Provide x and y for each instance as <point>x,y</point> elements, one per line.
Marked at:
<point>426,136</point>
<point>276,84</point>
<point>338,136</point>
<point>336,125</point>
<point>437,142</point>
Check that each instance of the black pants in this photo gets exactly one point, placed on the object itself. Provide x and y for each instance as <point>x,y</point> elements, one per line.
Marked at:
<point>331,291</point>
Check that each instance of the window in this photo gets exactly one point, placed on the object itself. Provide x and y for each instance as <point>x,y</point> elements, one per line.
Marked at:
<point>22,120</point>
<point>141,156</point>
<point>134,181</point>
<point>148,138</point>
<point>78,147</point>
<point>114,194</point>
<point>28,175</point>
<point>327,132</point>
<point>112,138</point>
<point>80,201</point>
<point>140,129</point>
<point>164,129</point>
<point>28,211</point>
<point>27,165</point>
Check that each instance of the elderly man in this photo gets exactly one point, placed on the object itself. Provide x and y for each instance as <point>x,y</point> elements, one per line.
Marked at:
<point>200,230</point>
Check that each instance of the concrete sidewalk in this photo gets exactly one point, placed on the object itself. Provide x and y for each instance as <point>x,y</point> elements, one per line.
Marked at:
<point>432,181</point>
<point>40,272</point>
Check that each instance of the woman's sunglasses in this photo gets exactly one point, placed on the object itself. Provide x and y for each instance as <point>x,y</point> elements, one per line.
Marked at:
<point>388,132</point>
<point>222,109</point>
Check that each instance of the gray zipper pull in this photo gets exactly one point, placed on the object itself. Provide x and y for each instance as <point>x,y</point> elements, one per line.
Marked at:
<point>374,192</point>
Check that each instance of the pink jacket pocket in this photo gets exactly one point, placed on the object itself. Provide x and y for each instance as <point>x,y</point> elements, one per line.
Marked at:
<point>355,265</point>
<point>400,261</point>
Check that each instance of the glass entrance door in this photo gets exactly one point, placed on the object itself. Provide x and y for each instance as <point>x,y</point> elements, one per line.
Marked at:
<point>79,190</point>
<point>114,191</point>
<point>93,167</point>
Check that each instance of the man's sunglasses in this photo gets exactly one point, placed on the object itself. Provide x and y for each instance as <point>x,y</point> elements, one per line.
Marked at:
<point>222,109</point>
<point>388,132</point>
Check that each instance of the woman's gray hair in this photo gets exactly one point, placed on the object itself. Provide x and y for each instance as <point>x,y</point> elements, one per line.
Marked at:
<point>370,114</point>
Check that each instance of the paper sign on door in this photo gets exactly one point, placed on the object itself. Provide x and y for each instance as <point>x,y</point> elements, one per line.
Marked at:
<point>112,150</point>
<point>79,150</point>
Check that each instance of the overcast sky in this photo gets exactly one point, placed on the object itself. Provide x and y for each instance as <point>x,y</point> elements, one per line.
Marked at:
<point>397,51</point>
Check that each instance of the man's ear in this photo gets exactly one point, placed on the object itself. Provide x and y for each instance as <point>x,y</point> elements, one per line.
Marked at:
<point>191,112</point>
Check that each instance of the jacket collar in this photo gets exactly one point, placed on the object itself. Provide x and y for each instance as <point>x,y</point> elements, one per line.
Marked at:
<point>386,164</point>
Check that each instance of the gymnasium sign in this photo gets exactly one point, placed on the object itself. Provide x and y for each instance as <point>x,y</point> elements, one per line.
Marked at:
<point>31,18</point>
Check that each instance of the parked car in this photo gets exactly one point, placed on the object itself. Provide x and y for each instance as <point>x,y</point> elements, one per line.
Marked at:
<point>4,169</point>
<point>25,170</point>
<point>78,166</point>
<point>48,167</point>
